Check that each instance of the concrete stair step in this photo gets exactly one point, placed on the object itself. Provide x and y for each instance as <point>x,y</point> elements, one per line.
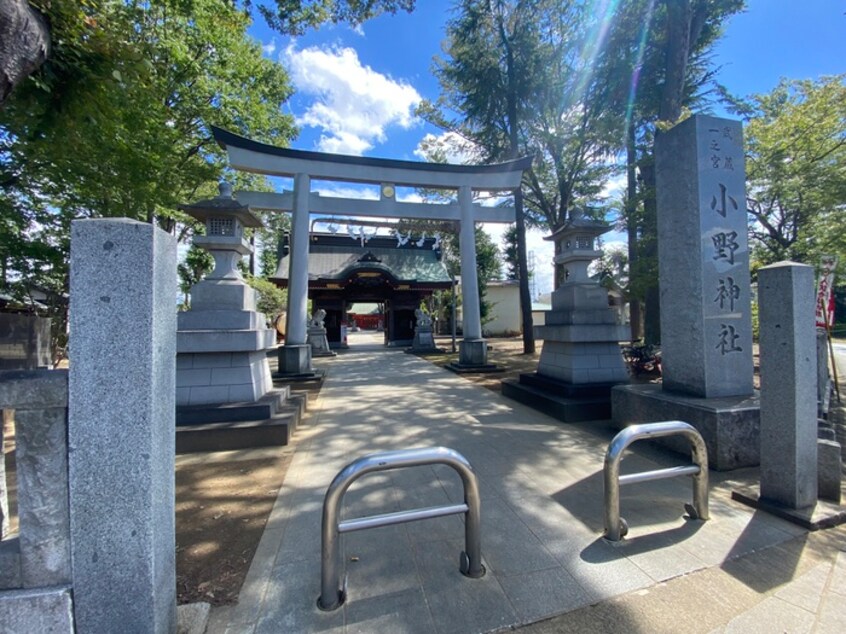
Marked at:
<point>266,407</point>
<point>566,409</point>
<point>240,434</point>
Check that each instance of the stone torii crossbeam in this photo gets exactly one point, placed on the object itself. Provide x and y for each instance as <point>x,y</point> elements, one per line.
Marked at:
<point>252,156</point>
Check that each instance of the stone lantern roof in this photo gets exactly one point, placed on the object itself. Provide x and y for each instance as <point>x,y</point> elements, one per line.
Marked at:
<point>578,225</point>
<point>222,206</point>
<point>576,245</point>
<point>225,219</point>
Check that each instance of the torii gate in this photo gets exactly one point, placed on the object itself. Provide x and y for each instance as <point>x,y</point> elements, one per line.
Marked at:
<point>252,156</point>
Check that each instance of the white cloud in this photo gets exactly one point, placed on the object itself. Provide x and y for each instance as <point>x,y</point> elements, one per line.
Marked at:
<point>354,104</point>
<point>614,189</point>
<point>270,48</point>
<point>363,192</point>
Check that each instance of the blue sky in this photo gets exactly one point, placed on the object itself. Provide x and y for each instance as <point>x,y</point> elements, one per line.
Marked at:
<point>356,88</point>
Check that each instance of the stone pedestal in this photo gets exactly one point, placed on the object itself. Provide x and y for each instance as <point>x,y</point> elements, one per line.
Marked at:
<point>472,352</point>
<point>581,359</point>
<point>295,361</point>
<point>703,257</point>
<point>424,339</point>
<point>318,342</point>
<point>729,425</point>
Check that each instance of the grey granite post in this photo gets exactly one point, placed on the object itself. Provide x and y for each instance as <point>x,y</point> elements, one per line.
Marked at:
<point>40,399</point>
<point>706,328</point>
<point>121,426</point>
<point>788,384</point>
<point>4,495</point>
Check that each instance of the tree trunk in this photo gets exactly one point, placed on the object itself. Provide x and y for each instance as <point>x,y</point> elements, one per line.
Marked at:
<point>680,18</point>
<point>24,44</point>
<point>523,273</point>
<point>514,149</point>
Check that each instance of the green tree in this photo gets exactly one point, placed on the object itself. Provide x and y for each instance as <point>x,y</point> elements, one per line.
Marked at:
<point>659,51</point>
<point>35,31</point>
<point>115,123</point>
<point>271,300</point>
<point>510,253</point>
<point>796,170</point>
<point>276,226</point>
<point>197,263</point>
<point>521,76</point>
<point>295,16</point>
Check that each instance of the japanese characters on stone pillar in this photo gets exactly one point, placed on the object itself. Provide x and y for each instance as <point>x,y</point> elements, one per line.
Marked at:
<point>706,328</point>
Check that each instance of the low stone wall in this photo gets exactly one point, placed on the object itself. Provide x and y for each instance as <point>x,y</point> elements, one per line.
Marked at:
<point>35,583</point>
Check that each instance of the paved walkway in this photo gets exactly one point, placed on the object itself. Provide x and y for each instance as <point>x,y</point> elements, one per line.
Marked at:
<point>542,519</point>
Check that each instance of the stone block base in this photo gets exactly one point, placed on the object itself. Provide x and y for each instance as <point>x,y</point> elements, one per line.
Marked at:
<point>270,421</point>
<point>318,342</point>
<point>295,360</point>
<point>730,426</point>
<point>472,352</point>
<point>423,339</point>
<point>829,470</point>
<point>813,518</point>
<point>568,409</point>
<point>221,377</point>
<point>10,562</point>
<point>37,610</point>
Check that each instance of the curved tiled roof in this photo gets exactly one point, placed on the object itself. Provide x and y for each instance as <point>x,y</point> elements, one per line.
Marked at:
<point>337,257</point>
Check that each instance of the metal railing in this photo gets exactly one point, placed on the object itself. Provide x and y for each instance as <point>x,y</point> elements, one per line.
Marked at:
<point>333,593</point>
<point>615,526</point>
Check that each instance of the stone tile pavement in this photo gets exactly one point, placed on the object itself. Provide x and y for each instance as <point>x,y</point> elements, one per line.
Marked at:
<point>542,514</point>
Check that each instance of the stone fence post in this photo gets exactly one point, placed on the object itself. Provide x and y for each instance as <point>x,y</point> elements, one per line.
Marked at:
<point>35,567</point>
<point>122,398</point>
<point>788,384</point>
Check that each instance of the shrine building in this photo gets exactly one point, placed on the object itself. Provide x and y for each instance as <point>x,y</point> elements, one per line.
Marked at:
<point>343,271</point>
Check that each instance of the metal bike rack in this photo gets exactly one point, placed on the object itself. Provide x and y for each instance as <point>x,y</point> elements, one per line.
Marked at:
<point>333,593</point>
<point>615,526</point>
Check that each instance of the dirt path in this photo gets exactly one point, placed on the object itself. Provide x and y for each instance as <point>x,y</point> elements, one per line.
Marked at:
<point>223,500</point>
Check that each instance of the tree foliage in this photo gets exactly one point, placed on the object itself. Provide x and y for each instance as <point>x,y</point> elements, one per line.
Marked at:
<point>659,50</point>
<point>116,122</point>
<point>509,253</point>
<point>295,16</point>
<point>197,264</point>
<point>796,170</point>
<point>522,74</point>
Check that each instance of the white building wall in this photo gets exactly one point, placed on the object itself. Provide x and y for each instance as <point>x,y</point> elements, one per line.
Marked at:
<point>505,298</point>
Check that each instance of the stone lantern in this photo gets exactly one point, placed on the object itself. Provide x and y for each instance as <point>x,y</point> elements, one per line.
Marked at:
<point>581,359</point>
<point>221,340</point>
<point>576,247</point>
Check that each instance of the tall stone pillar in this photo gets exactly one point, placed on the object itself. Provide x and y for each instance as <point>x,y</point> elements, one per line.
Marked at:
<point>703,272</point>
<point>703,264</point>
<point>788,384</point>
<point>121,429</point>
<point>295,355</point>
<point>473,350</point>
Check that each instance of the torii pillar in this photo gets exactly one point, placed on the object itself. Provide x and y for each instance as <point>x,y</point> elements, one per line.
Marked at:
<point>295,355</point>
<point>472,350</point>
